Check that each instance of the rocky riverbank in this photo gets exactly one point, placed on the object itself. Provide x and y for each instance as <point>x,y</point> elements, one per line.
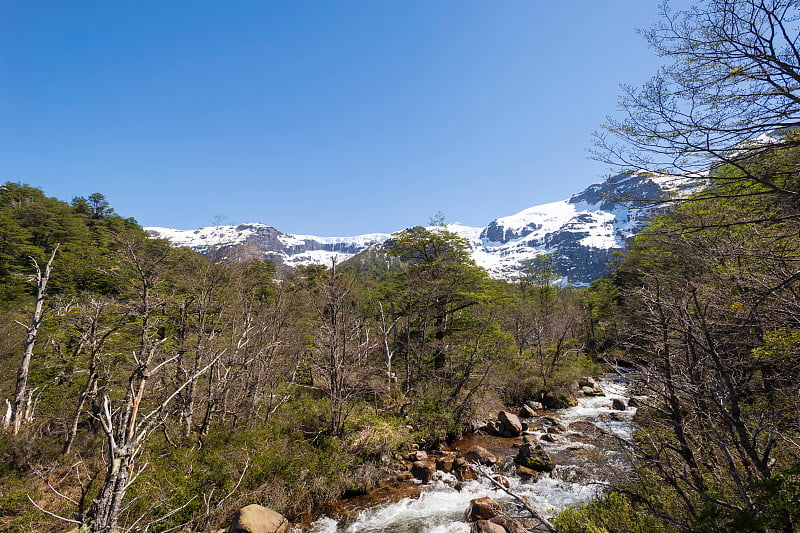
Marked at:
<point>551,457</point>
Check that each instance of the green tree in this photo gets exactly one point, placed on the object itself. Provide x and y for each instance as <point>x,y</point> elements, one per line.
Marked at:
<point>443,327</point>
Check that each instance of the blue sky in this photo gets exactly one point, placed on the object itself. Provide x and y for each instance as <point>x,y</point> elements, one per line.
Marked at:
<point>333,118</point>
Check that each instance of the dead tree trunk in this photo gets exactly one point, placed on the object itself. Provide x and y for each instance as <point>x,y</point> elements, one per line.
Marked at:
<point>126,435</point>
<point>18,406</point>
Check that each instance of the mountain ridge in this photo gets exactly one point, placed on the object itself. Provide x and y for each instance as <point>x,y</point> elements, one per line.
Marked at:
<point>581,233</point>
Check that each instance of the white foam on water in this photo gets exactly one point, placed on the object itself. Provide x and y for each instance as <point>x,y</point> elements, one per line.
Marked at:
<point>440,508</point>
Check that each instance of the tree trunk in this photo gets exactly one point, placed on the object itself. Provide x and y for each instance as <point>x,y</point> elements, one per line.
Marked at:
<point>17,407</point>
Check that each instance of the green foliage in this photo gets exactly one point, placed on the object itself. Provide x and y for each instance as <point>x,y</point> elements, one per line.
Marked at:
<point>616,512</point>
<point>31,225</point>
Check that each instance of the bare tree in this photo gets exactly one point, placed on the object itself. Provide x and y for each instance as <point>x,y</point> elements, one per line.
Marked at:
<point>734,76</point>
<point>18,406</point>
<point>342,344</point>
<point>92,338</point>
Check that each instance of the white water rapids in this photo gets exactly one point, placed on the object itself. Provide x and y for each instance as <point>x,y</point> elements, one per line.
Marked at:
<point>440,507</point>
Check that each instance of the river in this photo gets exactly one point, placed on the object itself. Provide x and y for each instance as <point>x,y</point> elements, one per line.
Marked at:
<point>585,460</point>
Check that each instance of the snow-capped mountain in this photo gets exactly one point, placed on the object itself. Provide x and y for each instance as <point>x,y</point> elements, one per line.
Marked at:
<point>580,233</point>
<point>256,240</point>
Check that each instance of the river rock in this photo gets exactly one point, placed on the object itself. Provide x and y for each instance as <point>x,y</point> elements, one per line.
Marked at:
<point>584,426</point>
<point>418,455</point>
<point>445,464</point>
<point>552,425</point>
<point>587,381</point>
<point>257,519</point>
<point>548,437</point>
<point>511,525</point>
<point>528,473</point>
<point>481,456</point>
<point>502,480</point>
<point>552,400</point>
<point>463,470</point>
<point>485,526</point>
<point>526,411</point>
<point>510,423</point>
<point>423,470</point>
<point>536,406</point>
<point>618,404</point>
<point>483,509</point>
<point>532,455</point>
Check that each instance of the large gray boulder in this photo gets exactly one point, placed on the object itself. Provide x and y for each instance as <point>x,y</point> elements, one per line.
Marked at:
<point>511,423</point>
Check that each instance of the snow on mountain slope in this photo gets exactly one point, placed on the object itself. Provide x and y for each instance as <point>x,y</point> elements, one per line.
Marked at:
<point>581,233</point>
<point>260,240</point>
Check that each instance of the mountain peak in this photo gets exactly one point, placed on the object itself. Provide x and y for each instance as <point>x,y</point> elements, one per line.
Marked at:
<point>581,233</point>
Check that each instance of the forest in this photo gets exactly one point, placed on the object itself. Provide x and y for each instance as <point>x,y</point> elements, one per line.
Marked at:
<point>144,365</point>
<point>150,388</point>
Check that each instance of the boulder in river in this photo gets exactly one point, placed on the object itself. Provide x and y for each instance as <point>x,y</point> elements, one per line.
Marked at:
<point>527,473</point>
<point>485,526</point>
<point>584,426</point>
<point>587,381</point>
<point>552,425</point>
<point>618,404</point>
<point>526,411</point>
<point>423,470</point>
<point>483,509</point>
<point>257,519</point>
<point>536,406</point>
<point>511,525</point>
<point>445,463</point>
<point>551,400</point>
<point>502,480</point>
<point>532,455</point>
<point>463,470</point>
<point>480,455</point>
<point>510,422</point>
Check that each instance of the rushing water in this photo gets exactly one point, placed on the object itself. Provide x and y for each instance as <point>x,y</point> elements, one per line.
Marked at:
<point>583,463</point>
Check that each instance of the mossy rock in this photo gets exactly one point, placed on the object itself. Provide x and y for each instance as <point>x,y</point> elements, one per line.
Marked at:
<point>540,464</point>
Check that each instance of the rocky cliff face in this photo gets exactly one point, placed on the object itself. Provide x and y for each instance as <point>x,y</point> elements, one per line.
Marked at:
<point>581,233</point>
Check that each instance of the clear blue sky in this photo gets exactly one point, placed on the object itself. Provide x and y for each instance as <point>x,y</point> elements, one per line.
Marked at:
<point>329,117</point>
